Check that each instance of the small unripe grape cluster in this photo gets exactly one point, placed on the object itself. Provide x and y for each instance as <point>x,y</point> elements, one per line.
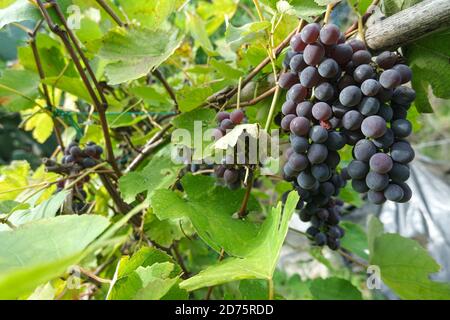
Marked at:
<point>339,95</point>
<point>232,174</point>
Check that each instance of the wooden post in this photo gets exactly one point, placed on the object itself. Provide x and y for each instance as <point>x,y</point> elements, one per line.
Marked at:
<point>409,25</point>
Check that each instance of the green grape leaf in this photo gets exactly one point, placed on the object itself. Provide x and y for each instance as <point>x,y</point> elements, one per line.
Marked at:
<point>334,289</point>
<point>149,274</point>
<point>17,11</point>
<point>37,252</point>
<point>211,219</point>
<point>360,6</point>
<point>429,60</point>
<point>197,28</point>
<point>305,9</point>
<point>190,98</point>
<point>405,266</point>
<point>391,7</point>
<point>160,173</point>
<point>40,123</point>
<point>18,89</point>
<point>246,34</point>
<point>13,178</point>
<point>134,52</point>
<point>150,14</point>
<point>355,239</point>
<point>224,69</point>
<point>260,260</point>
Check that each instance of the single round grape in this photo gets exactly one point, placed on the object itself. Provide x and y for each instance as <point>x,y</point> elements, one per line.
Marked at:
<point>306,180</point>
<point>320,239</point>
<point>390,79</point>
<point>317,153</point>
<point>231,176</point>
<point>297,64</point>
<point>333,244</point>
<point>399,172</point>
<point>357,45</point>
<point>399,113</point>
<point>386,140</point>
<point>76,151</point>
<point>237,116</point>
<point>376,181</point>
<point>309,77</point>
<point>386,59</point>
<point>297,93</point>
<point>345,175</point>
<point>376,197</point>
<point>322,214</point>
<point>297,44</point>
<point>353,136</point>
<point>88,163</point>
<point>329,34</point>
<point>288,171</point>
<point>350,96</point>
<point>289,107</point>
<point>286,122</point>
<point>336,141</point>
<point>384,95</point>
<point>318,134</point>
<point>346,81</point>
<point>373,127</point>
<point>321,172</point>
<point>310,33</point>
<point>226,124</point>
<point>361,57</point>
<point>357,169</point>
<point>90,151</point>
<point>327,189</point>
<point>300,126</point>
<point>370,87</point>
<point>352,120</point>
<point>339,110</point>
<point>98,150</point>
<point>350,68</point>
<point>287,59</point>
<point>407,192</point>
<point>403,95</point>
<point>333,217</point>
<point>364,150</point>
<point>386,112</point>
<point>298,162</point>
<point>324,91</point>
<point>381,163</point>
<point>312,231</point>
<point>68,159</point>
<point>222,116</point>
<point>359,185</point>
<point>334,232</point>
<point>304,109</point>
<point>219,171</point>
<point>299,144</point>
<point>313,54</point>
<point>394,192</point>
<point>363,72</point>
<point>341,53</point>
<point>333,159</point>
<point>402,152</point>
<point>321,111</point>
<point>369,106</point>
<point>335,123</point>
<point>402,128</point>
<point>328,68</point>
<point>337,180</point>
<point>405,72</point>
<point>288,79</point>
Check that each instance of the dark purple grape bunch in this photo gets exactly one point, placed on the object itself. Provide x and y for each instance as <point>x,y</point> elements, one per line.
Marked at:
<point>232,174</point>
<point>374,104</point>
<point>315,135</point>
<point>85,158</point>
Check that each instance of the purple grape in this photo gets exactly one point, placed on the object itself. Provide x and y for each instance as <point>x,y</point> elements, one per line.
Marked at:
<point>394,192</point>
<point>297,44</point>
<point>402,152</point>
<point>357,45</point>
<point>373,127</point>
<point>289,107</point>
<point>321,111</point>
<point>313,54</point>
<point>361,57</point>
<point>342,53</point>
<point>286,122</point>
<point>310,33</point>
<point>363,72</point>
<point>376,181</point>
<point>297,93</point>
<point>299,144</point>
<point>376,197</point>
<point>318,134</point>
<point>300,126</point>
<point>402,128</point>
<point>399,172</point>
<point>297,63</point>
<point>357,169</point>
<point>364,150</point>
<point>390,79</point>
<point>386,59</point>
<point>304,109</point>
<point>324,91</point>
<point>350,96</point>
<point>405,72</point>
<point>288,79</point>
<point>237,116</point>
<point>298,162</point>
<point>381,163</point>
<point>370,87</point>
<point>369,106</point>
<point>328,68</point>
<point>352,120</point>
<point>317,153</point>
<point>309,77</point>
<point>403,95</point>
<point>329,34</point>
